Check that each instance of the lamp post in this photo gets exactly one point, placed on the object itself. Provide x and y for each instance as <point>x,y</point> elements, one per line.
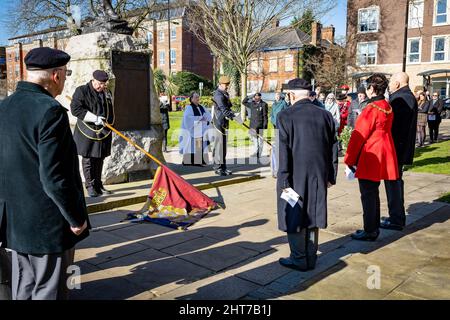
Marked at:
<point>405,37</point>
<point>170,56</point>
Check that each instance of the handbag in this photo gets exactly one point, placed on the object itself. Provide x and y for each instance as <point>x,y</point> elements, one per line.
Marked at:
<point>431,117</point>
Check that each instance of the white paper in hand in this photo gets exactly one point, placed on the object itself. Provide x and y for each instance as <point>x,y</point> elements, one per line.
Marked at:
<point>290,196</point>
<point>349,173</point>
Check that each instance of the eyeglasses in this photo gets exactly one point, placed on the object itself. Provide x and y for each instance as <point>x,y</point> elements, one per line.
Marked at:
<point>67,71</point>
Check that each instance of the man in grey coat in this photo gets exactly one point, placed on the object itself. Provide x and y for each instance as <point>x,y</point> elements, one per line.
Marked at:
<point>308,153</point>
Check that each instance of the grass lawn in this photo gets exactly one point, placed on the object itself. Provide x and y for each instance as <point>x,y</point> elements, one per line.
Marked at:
<point>434,158</point>
<point>237,134</point>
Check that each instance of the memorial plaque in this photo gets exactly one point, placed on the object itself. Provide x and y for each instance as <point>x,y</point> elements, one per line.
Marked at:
<point>132,90</point>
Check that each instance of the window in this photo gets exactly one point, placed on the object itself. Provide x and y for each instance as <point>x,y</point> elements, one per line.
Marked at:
<point>256,66</point>
<point>173,34</point>
<point>161,36</point>
<point>366,53</point>
<point>17,56</point>
<point>150,37</point>
<point>254,85</point>
<point>273,84</point>
<point>440,16</point>
<point>439,49</point>
<point>289,63</point>
<point>416,14</point>
<point>414,50</point>
<point>173,56</point>
<point>273,65</point>
<point>162,58</point>
<point>368,19</point>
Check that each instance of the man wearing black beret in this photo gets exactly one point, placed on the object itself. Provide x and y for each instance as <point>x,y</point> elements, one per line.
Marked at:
<point>42,207</point>
<point>92,104</point>
<point>307,165</point>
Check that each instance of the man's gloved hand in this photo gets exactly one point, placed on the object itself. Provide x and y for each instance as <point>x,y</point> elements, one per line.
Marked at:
<point>100,121</point>
<point>90,117</point>
<point>238,118</point>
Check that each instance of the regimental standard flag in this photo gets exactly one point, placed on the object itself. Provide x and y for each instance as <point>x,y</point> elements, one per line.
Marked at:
<point>174,202</point>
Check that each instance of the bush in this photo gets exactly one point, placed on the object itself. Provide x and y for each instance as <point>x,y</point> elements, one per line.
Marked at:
<point>344,138</point>
<point>187,82</point>
<point>206,101</point>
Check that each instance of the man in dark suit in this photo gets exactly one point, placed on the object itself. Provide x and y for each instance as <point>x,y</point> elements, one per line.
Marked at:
<point>308,159</point>
<point>41,195</point>
<point>258,121</point>
<point>221,115</point>
<point>92,104</point>
<point>434,116</point>
<point>404,106</point>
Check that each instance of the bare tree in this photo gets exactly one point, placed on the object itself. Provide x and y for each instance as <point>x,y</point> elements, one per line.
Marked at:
<point>236,29</point>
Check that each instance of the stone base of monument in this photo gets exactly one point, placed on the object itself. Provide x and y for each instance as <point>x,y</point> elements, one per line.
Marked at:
<point>93,51</point>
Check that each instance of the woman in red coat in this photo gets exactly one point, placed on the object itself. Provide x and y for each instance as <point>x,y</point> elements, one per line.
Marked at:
<point>344,106</point>
<point>371,150</point>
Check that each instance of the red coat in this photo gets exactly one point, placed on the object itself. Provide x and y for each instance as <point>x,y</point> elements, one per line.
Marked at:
<point>343,110</point>
<point>372,141</point>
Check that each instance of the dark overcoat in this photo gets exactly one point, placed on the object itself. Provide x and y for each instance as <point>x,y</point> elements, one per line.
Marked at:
<point>92,141</point>
<point>404,106</point>
<point>41,193</point>
<point>222,110</point>
<point>308,154</point>
<point>164,110</point>
<point>259,113</point>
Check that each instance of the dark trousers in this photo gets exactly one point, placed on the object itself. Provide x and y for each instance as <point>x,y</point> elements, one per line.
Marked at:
<point>219,150</point>
<point>395,194</point>
<point>433,126</point>
<point>370,199</point>
<point>41,277</point>
<point>5,275</point>
<point>92,170</point>
<point>164,144</point>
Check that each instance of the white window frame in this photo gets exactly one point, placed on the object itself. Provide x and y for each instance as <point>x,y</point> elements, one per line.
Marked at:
<point>435,14</point>
<point>376,53</point>
<point>173,57</point>
<point>150,37</point>
<point>173,34</point>
<point>409,50</point>
<point>377,8</point>
<point>289,58</point>
<point>273,64</point>
<point>446,37</point>
<point>419,19</point>
<point>162,58</point>
<point>271,87</point>
<point>161,36</point>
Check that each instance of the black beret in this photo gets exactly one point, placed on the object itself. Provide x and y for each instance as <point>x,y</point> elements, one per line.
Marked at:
<point>362,89</point>
<point>100,75</point>
<point>299,84</point>
<point>45,58</point>
<point>341,97</point>
<point>258,94</point>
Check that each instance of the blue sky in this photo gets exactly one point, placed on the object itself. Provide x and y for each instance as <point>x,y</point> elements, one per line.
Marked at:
<point>336,17</point>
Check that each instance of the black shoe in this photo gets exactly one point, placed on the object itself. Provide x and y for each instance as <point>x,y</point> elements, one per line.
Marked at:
<point>221,173</point>
<point>92,193</point>
<point>287,262</point>
<point>228,172</point>
<point>365,236</point>
<point>387,224</point>
<point>103,191</point>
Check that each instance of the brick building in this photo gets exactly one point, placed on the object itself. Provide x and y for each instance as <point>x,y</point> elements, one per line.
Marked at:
<point>186,54</point>
<point>3,72</point>
<point>280,58</point>
<point>375,36</point>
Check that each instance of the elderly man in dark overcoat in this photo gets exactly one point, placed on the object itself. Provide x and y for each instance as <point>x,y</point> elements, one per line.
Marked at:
<point>92,104</point>
<point>308,153</point>
<point>404,106</point>
<point>42,207</point>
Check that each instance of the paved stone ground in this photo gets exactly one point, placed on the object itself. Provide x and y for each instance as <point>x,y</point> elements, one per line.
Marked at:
<point>233,252</point>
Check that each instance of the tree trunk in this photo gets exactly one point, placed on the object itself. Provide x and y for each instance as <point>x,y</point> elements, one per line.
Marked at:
<point>243,93</point>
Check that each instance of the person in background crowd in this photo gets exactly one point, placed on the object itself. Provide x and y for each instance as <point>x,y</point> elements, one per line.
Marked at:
<point>313,98</point>
<point>258,122</point>
<point>435,106</point>
<point>357,106</point>
<point>278,105</point>
<point>43,212</point>
<point>193,144</point>
<point>165,121</point>
<point>332,106</point>
<point>344,106</point>
<point>422,106</point>
<point>322,98</point>
<point>371,152</point>
<point>404,127</point>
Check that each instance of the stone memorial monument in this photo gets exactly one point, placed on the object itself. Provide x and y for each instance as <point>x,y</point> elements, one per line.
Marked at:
<point>107,45</point>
